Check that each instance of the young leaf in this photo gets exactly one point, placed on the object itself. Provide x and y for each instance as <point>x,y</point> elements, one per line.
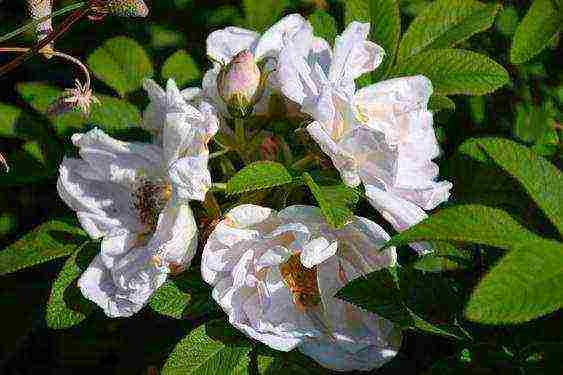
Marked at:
<point>334,201</point>
<point>59,314</point>
<point>455,71</point>
<point>439,102</point>
<point>470,223</point>
<point>257,176</point>
<point>356,10</point>
<point>198,353</point>
<point>535,32</point>
<point>324,25</point>
<point>444,24</point>
<point>182,68</point>
<point>49,241</point>
<point>524,285</point>
<point>541,179</point>
<point>169,300</point>
<point>261,14</point>
<point>9,115</point>
<point>122,64</point>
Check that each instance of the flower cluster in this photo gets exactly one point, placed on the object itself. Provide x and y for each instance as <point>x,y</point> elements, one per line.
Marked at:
<point>274,274</point>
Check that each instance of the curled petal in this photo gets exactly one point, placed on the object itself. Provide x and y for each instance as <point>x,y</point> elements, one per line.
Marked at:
<point>190,177</point>
<point>343,161</point>
<point>223,44</point>
<point>293,27</point>
<point>116,161</point>
<point>354,55</point>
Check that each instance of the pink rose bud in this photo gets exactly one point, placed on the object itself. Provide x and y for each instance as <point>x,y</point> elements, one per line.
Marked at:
<point>240,84</point>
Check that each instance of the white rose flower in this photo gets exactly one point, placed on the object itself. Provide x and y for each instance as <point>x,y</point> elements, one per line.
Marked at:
<point>134,197</point>
<point>276,274</point>
<point>231,44</point>
<point>381,135</point>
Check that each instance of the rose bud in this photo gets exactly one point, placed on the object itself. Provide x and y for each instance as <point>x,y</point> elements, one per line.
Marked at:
<point>240,84</point>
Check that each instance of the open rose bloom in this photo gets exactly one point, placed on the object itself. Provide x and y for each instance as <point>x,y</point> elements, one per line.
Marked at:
<point>135,198</point>
<point>276,274</point>
<point>380,135</point>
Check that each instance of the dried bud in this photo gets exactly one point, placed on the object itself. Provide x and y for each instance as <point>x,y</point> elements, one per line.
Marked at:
<point>127,8</point>
<point>78,98</point>
<point>269,148</point>
<point>240,84</point>
<point>39,9</point>
<point>4,163</point>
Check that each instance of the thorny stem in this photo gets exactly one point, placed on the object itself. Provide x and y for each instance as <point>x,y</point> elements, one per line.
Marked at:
<point>212,206</point>
<point>63,28</point>
<point>36,22</point>
<point>61,55</point>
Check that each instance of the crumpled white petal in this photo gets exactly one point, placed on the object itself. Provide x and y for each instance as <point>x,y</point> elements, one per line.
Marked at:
<point>250,261</point>
<point>224,44</point>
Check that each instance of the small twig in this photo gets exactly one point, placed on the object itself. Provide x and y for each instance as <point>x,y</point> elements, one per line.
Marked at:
<point>36,22</point>
<point>63,28</point>
<point>54,53</point>
<point>219,153</point>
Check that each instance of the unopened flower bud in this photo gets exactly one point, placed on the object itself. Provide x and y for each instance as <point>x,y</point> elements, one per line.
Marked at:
<point>240,84</point>
<point>127,8</point>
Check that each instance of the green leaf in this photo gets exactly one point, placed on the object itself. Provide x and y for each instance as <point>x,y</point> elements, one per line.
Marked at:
<point>54,239</point>
<point>470,223</point>
<point>162,37</point>
<point>381,292</point>
<point>335,201</point>
<point>324,25</point>
<point>438,103</point>
<point>261,14</point>
<point>257,176</point>
<point>444,24</point>
<point>115,116</point>
<point>535,32</point>
<point>444,257</point>
<point>356,10</point>
<point>455,71</point>
<point>541,179</point>
<point>198,353</point>
<point>182,68</point>
<point>533,122</point>
<point>9,115</point>
<point>477,108</point>
<point>169,300</point>
<point>385,20</point>
<point>122,64</point>
<point>507,21</point>
<point>524,285</point>
<point>62,312</point>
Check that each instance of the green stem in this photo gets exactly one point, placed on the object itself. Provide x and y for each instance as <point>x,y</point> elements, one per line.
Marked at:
<point>240,133</point>
<point>302,164</point>
<point>218,186</point>
<point>212,206</point>
<point>34,23</point>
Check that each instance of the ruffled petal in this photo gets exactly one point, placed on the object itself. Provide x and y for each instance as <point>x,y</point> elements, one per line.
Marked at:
<point>293,27</point>
<point>342,160</point>
<point>401,213</point>
<point>175,237</point>
<point>190,177</point>
<point>224,44</point>
<point>354,55</point>
<point>116,161</point>
<point>103,207</point>
<point>317,251</point>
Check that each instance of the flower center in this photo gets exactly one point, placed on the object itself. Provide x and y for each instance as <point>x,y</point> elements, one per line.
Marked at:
<point>302,282</point>
<point>149,200</point>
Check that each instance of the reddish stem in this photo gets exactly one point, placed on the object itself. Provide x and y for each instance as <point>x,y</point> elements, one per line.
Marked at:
<point>63,28</point>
